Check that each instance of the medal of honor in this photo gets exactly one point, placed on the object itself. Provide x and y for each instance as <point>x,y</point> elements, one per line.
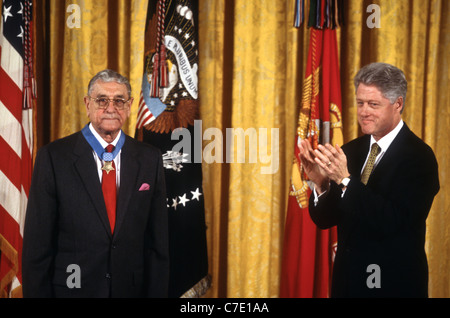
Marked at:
<point>106,157</point>
<point>107,162</point>
<point>107,166</point>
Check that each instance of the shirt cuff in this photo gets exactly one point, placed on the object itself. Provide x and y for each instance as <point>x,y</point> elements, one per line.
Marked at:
<point>317,196</point>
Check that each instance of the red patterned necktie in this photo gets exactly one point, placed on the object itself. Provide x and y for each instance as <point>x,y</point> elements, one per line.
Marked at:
<point>109,189</point>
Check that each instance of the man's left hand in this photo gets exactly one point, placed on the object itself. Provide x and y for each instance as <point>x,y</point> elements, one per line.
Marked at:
<point>333,161</point>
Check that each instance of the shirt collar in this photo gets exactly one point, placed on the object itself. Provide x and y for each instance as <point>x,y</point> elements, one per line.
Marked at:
<point>101,140</point>
<point>386,141</point>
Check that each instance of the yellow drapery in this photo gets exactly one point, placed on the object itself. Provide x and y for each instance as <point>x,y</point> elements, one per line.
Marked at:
<point>109,35</point>
<point>251,71</point>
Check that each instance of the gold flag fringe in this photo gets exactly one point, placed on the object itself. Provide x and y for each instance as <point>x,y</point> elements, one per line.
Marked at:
<point>199,289</point>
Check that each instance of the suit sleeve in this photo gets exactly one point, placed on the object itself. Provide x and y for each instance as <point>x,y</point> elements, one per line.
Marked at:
<point>39,237</point>
<point>159,243</point>
<point>325,213</point>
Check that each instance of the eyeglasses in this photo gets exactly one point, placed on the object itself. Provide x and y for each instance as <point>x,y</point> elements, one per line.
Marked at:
<point>103,102</point>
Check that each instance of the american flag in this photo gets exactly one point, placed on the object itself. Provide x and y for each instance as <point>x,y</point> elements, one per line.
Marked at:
<point>16,137</point>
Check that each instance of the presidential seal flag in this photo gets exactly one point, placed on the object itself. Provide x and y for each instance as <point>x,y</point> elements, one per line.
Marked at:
<point>17,94</point>
<point>308,252</point>
<point>167,110</point>
<point>170,80</point>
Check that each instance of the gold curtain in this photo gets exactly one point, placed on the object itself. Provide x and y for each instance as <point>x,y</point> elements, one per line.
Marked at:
<point>250,75</point>
<point>109,35</point>
<point>252,63</point>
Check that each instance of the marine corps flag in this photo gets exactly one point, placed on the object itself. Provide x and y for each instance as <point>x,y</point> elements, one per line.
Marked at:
<point>168,107</point>
<point>308,252</point>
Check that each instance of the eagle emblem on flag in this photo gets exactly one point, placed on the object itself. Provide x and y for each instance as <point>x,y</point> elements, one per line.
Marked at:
<point>169,94</point>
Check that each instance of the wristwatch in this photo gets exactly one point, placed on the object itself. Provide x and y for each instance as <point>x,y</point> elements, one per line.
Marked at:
<point>344,183</point>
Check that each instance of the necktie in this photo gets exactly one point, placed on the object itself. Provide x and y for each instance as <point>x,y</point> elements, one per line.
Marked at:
<point>370,162</point>
<point>109,189</point>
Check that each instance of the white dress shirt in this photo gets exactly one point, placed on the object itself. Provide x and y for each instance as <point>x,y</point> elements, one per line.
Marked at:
<point>384,144</point>
<point>99,162</point>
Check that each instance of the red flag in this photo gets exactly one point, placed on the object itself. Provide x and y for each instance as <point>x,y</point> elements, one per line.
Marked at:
<point>16,138</point>
<point>308,252</point>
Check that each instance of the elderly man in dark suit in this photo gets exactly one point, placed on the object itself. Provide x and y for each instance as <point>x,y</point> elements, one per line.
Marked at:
<point>378,190</point>
<point>96,222</point>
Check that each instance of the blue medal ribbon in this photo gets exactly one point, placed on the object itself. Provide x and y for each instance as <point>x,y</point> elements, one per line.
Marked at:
<point>97,147</point>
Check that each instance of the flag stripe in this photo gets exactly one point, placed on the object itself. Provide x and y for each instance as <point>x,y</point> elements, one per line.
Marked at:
<point>12,63</point>
<point>9,226</point>
<point>10,129</point>
<point>10,95</point>
<point>26,168</point>
<point>145,116</point>
<point>141,111</point>
<point>10,163</point>
<point>10,197</point>
<point>11,261</point>
<point>27,124</point>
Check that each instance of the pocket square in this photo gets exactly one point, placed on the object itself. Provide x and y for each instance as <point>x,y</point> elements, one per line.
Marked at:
<point>144,187</point>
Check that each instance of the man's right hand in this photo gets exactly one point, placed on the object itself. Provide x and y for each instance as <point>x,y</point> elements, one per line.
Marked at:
<point>314,172</point>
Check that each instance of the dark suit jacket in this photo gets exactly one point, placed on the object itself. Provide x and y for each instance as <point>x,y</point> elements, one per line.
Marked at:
<point>67,223</point>
<point>383,222</point>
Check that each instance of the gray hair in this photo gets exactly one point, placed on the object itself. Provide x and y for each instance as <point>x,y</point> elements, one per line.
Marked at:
<point>109,76</point>
<point>390,80</point>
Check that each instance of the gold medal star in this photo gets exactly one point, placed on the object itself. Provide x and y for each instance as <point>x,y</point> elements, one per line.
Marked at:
<point>108,166</point>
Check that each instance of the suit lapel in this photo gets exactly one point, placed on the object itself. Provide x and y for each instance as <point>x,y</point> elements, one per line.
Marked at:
<point>394,151</point>
<point>357,154</point>
<point>87,169</point>
<point>129,170</point>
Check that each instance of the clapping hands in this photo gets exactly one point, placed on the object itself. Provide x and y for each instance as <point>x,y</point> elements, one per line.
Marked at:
<point>323,164</point>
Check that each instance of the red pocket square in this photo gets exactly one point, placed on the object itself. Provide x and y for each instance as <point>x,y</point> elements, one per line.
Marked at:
<point>144,187</point>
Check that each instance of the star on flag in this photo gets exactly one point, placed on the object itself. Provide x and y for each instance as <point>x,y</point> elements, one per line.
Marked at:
<point>196,195</point>
<point>7,13</point>
<point>183,200</point>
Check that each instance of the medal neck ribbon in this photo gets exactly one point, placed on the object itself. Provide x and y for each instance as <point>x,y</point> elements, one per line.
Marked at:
<point>97,147</point>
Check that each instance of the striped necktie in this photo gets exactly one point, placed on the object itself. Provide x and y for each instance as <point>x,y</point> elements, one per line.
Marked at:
<point>370,162</point>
